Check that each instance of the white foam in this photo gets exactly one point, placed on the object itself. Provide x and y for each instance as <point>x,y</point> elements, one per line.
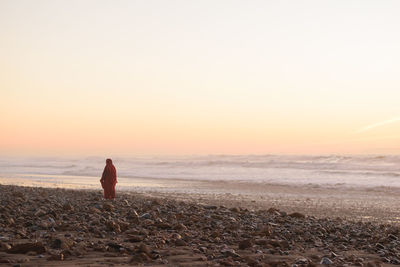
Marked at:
<point>365,171</point>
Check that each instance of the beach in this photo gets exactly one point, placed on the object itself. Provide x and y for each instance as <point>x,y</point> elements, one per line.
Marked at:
<point>358,203</point>
<point>357,187</point>
<point>200,133</point>
<point>245,224</point>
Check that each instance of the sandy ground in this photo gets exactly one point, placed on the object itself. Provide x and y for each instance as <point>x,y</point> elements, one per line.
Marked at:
<point>345,207</point>
<point>380,204</point>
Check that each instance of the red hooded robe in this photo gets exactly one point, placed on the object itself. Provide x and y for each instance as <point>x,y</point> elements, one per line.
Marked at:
<point>109,180</point>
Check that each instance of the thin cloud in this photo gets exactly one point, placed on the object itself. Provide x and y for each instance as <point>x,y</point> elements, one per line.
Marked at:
<point>375,125</point>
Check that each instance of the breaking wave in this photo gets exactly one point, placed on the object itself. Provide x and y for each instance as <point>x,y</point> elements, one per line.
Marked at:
<point>370,170</point>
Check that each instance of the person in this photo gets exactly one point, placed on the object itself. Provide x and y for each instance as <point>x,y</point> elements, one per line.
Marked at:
<point>109,180</point>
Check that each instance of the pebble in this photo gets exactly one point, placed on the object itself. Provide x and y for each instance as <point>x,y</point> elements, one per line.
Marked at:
<point>145,249</point>
<point>145,216</point>
<point>180,242</point>
<point>297,215</point>
<point>62,243</point>
<point>67,207</point>
<point>56,257</point>
<point>326,261</point>
<point>245,244</point>
<point>301,261</point>
<point>47,228</point>
<point>23,248</point>
<point>108,206</point>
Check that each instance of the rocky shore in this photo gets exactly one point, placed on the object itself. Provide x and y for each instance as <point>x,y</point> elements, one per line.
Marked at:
<point>56,227</point>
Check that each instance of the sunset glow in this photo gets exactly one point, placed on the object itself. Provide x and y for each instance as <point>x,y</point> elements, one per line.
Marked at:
<point>199,77</point>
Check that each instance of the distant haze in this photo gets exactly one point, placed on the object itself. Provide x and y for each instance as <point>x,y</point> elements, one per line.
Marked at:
<point>199,77</point>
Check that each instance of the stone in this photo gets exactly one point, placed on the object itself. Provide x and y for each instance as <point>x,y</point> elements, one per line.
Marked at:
<point>273,211</point>
<point>135,238</point>
<point>113,226</point>
<point>108,206</point>
<point>230,252</point>
<point>176,236</point>
<point>182,233</point>
<point>395,261</point>
<point>145,249</point>
<point>301,261</point>
<point>139,258</point>
<point>40,213</point>
<point>163,225</point>
<point>10,221</point>
<point>235,209</point>
<point>297,215</point>
<point>334,255</point>
<point>247,243</point>
<point>44,224</point>
<point>326,261</point>
<point>94,210</point>
<point>374,264</point>
<point>145,216</point>
<point>4,246</point>
<point>115,246</point>
<point>67,207</point>
<point>134,213</point>
<point>4,239</point>
<point>56,257</point>
<point>26,247</point>
<point>274,243</point>
<point>227,262</point>
<point>156,202</point>
<point>62,243</point>
<point>180,242</point>
<point>180,227</point>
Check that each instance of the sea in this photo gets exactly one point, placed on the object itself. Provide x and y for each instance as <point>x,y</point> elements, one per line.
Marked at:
<point>321,170</point>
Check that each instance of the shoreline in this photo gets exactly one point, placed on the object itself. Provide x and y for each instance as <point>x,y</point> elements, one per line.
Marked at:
<point>378,204</point>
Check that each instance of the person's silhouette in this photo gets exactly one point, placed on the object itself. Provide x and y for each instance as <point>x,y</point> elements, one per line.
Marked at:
<point>109,180</point>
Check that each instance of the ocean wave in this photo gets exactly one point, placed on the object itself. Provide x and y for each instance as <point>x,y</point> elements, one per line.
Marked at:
<point>363,173</point>
<point>270,168</point>
<point>38,166</point>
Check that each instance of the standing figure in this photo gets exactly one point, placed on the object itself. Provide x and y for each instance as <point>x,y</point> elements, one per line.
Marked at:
<point>109,180</point>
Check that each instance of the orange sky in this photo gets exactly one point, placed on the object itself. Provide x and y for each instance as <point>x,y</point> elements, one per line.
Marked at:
<point>190,77</point>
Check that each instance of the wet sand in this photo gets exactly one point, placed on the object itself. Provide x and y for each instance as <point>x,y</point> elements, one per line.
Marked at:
<point>380,204</point>
<point>242,225</point>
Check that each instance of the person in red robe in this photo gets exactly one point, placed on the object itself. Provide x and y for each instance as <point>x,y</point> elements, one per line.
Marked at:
<point>109,180</point>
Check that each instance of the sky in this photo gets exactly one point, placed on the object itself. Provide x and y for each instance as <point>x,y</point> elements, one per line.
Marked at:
<point>199,77</point>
